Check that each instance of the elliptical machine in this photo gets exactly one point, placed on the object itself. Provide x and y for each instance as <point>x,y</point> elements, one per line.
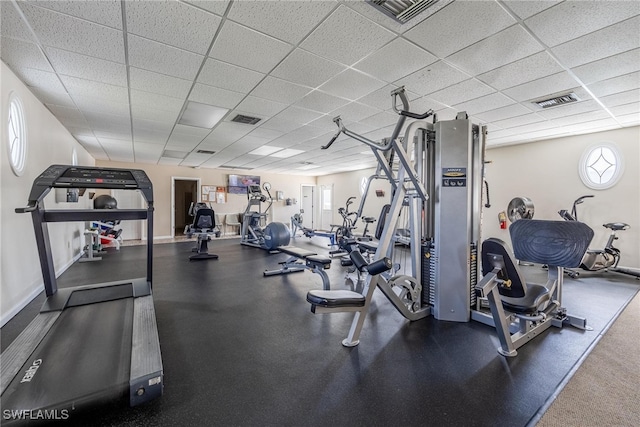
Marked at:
<point>598,259</point>
<point>252,233</point>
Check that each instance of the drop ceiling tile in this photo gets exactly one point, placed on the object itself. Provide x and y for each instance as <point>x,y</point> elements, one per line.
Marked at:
<point>570,20</point>
<point>503,113</point>
<point>526,9</point>
<point>518,121</point>
<point>524,70</point>
<point>99,120</point>
<point>484,103</point>
<point>619,84</point>
<point>473,21</point>
<point>496,51</point>
<point>88,88</point>
<point>49,97</point>
<point>598,45</point>
<point>21,54</point>
<point>431,79</point>
<point>260,106</point>
<point>280,90</point>
<point>100,105</point>
<point>629,119</point>
<point>354,111</point>
<point>266,134</point>
<point>460,92</point>
<point>584,106</point>
<point>346,37</point>
<point>218,7</point>
<point>320,101</point>
<point>351,85</point>
<point>542,87</point>
<point>149,113</point>
<point>395,60</point>
<point>76,122</point>
<point>581,125</point>
<point>105,12</point>
<point>65,112</point>
<point>149,81</point>
<point>77,35</point>
<point>141,100</point>
<point>169,161</point>
<point>173,23</point>
<point>626,109</point>
<point>163,59</point>
<point>621,98</point>
<point>280,124</point>
<point>39,78</point>
<point>277,18</point>
<point>248,48</point>
<point>298,115</point>
<point>306,69</point>
<point>150,135</point>
<point>87,67</point>
<point>606,68</point>
<point>215,96</point>
<point>119,134</point>
<point>228,76</point>
<point>148,151</point>
<point>12,25</point>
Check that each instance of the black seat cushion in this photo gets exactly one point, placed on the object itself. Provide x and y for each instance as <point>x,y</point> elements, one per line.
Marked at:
<point>528,304</point>
<point>339,298</point>
<point>318,260</point>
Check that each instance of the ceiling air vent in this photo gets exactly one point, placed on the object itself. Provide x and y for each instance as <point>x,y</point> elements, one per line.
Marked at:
<point>403,10</point>
<point>247,120</point>
<point>557,100</point>
<point>172,154</point>
<point>205,152</point>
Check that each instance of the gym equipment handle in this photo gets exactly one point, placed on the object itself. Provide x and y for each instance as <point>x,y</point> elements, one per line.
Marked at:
<point>26,209</point>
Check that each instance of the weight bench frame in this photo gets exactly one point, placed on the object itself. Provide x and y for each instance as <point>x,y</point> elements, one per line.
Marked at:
<point>300,260</point>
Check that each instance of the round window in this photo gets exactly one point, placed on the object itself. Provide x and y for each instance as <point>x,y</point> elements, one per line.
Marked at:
<point>601,166</point>
<point>17,135</point>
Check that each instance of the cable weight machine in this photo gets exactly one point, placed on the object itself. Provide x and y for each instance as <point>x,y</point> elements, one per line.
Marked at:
<point>439,180</point>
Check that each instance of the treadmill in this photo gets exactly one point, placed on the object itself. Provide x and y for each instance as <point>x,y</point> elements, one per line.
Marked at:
<point>89,344</point>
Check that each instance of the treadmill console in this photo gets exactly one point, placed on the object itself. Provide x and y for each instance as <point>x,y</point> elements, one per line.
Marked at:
<point>63,176</point>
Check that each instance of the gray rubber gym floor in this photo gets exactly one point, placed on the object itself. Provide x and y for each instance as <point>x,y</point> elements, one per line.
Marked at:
<point>243,350</point>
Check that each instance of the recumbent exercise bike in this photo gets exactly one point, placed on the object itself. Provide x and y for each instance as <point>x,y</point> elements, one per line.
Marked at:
<point>203,226</point>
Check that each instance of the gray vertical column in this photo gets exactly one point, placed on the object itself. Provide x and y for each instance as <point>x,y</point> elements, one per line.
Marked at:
<point>453,206</point>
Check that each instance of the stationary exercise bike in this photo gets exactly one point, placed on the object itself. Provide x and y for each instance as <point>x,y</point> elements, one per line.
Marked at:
<point>203,227</point>
<point>598,259</point>
<point>253,233</point>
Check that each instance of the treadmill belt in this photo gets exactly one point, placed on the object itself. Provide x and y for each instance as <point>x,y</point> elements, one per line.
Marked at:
<point>84,358</point>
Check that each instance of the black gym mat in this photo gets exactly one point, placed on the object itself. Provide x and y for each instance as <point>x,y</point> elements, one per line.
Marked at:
<point>244,350</point>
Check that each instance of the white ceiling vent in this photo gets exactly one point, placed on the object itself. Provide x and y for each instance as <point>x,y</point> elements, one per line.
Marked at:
<point>403,10</point>
<point>172,154</point>
<point>247,120</point>
<point>567,98</point>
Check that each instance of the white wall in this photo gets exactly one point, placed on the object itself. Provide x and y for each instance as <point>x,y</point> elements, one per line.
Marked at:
<point>547,173</point>
<point>48,142</point>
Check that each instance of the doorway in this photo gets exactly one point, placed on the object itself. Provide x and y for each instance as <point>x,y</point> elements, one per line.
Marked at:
<point>307,206</point>
<point>184,192</point>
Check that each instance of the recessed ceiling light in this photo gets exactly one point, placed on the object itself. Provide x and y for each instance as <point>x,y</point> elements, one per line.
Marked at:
<point>289,152</point>
<point>201,115</point>
<point>265,150</point>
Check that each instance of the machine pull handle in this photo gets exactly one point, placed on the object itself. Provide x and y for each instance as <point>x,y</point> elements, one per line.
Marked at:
<point>30,208</point>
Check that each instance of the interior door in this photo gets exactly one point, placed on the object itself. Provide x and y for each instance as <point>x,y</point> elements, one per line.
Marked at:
<point>307,206</point>
<point>326,206</point>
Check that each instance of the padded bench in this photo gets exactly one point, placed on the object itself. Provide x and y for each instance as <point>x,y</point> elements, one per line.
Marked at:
<point>301,259</point>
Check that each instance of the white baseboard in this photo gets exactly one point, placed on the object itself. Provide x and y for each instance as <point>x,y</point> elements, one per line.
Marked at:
<point>36,291</point>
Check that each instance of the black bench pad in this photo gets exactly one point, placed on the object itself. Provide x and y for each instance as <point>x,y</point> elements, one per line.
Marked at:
<point>318,260</point>
<point>339,298</point>
<point>295,251</point>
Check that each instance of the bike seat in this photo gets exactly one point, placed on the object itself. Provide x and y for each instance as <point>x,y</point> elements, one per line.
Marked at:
<point>616,226</point>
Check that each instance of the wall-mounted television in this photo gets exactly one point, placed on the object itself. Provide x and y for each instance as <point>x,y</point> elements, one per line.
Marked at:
<point>238,183</point>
